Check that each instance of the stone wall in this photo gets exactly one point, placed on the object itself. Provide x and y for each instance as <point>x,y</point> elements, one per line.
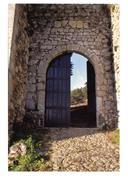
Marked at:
<point>115,14</point>
<point>18,59</point>
<point>85,29</point>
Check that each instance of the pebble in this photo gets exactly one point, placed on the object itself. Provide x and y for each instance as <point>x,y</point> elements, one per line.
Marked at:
<point>90,151</point>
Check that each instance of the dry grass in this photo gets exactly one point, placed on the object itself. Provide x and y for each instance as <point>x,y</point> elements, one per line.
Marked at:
<point>114,136</point>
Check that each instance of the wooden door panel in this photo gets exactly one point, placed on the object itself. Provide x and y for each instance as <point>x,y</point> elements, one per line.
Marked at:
<point>57,108</point>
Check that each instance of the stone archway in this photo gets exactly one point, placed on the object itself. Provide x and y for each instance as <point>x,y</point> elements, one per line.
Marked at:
<point>59,110</point>
<point>94,60</point>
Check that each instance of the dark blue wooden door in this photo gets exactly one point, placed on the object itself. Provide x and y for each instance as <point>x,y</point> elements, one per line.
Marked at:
<point>57,108</point>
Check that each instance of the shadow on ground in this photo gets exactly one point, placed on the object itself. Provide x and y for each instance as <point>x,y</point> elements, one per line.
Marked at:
<point>82,117</point>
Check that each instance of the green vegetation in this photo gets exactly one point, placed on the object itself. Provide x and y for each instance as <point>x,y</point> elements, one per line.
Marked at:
<point>79,95</point>
<point>31,161</point>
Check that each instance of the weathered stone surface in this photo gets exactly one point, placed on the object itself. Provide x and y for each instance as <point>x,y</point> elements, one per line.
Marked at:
<point>57,24</point>
<point>115,21</point>
<point>17,150</point>
<point>41,68</point>
<point>85,25</point>
<point>72,23</point>
<point>64,22</point>
<point>84,36</point>
<point>31,88</point>
<point>30,104</point>
<point>101,93</point>
<point>79,24</point>
<point>18,59</point>
<point>41,100</point>
<point>40,86</point>
<point>99,103</point>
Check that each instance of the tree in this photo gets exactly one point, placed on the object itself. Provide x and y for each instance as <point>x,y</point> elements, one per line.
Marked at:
<point>79,95</point>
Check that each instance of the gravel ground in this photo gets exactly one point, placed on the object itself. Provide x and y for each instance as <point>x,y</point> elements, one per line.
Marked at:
<point>80,149</point>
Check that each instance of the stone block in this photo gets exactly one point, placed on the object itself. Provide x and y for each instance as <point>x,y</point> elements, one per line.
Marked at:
<point>41,100</point>
<point>72,23</point>
<point>108,105</point>
<point>99,101</point>
<point>42,68</point>
<point>40,86</point>
<point>64,22</point>
<point>79,24</point>
<point>30,104</point>
<point>101,93</point>
<point>86,25</point>
<point>103,88</point>
<point>108,67</point>
<point>57,24</point>
<point>31,87</point>
<point>31,96</point>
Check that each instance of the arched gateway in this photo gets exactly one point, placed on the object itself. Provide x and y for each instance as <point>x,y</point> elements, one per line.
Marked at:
<point>58,97</point>
<point>98,70</point>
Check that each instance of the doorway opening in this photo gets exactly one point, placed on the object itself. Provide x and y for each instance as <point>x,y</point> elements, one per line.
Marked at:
<point>70,92</point>
<point>82,92</point>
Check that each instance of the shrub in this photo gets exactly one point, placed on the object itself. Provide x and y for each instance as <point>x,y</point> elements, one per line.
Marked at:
<point>79,95</point>
<point>31,161</point>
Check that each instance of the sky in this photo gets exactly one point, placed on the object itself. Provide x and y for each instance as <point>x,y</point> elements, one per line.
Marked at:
<point>79,76</point>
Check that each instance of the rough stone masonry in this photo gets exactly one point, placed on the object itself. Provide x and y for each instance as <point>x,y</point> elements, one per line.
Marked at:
<point>41,32</point>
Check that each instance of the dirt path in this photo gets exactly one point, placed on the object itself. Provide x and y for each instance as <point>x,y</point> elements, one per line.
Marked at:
<point>80,149</point>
